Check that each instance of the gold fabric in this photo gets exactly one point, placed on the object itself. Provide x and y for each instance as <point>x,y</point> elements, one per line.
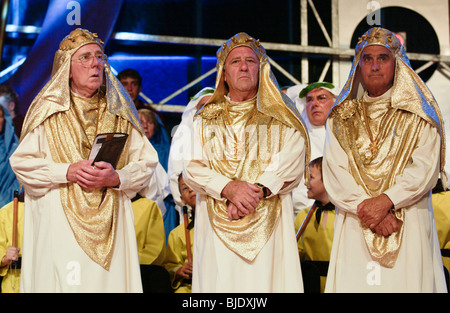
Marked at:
<point>55,95</point>
<point>409,92</point>
<point>242,160</point>
<point>396,121</point>
<point>377,174</point>
<point>92,214</point>
<point>71,124</point>
<point>238,140</point>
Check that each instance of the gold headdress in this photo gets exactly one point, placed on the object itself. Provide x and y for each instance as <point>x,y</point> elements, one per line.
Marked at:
<point>55,95</point>
<point>271,101</point>
<point>240,39</point>
<point>78,38</point>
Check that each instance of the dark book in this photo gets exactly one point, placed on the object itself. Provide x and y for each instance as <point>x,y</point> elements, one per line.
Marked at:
<point>108,148</point>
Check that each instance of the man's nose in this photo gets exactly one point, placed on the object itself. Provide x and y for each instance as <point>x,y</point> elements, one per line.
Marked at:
<point>375,66</point>
<point>244,66</point>
<point>95,62</point>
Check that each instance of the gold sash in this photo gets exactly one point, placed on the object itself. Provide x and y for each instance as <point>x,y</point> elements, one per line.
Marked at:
<point>245,155</point>
<point>396,133</point>
<point>92,214</point>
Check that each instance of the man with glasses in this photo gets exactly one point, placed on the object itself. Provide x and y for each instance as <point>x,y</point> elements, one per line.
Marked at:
<point>79,232</point>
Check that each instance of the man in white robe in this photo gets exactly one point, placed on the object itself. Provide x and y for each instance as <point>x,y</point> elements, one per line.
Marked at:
<point>250,147</point>
<point>79,228</point>
<point>383,154</point>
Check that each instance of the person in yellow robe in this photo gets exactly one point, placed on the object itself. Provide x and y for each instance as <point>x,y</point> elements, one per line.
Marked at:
<point>176,261</point>
<point>11,257</point>
<point>151,244</point>
<point>314,245</point>
<point>441,208</point>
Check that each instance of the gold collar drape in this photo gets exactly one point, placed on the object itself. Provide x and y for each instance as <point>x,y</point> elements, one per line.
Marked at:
<point>396,133</point>
<point>92,214</point>
<point>246,152</point>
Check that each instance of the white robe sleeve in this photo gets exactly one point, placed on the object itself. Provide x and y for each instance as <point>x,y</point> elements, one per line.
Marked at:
<point>142,161</point>
<point>418,178</point>
<point>288,165</point>
<point>35,168</point>
<point>421,174</point>
<point>196,172</point>
<point>285,166</point>
<point>37,172</point>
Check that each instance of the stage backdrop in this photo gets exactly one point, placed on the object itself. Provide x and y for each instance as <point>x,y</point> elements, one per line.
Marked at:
<point>61,18</point>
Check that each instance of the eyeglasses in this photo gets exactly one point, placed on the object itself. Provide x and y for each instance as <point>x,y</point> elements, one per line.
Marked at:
<point>86,60</point>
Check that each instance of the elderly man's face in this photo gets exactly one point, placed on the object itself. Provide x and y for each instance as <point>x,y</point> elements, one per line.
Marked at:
<point>377,69</point>
<point>318,103</point>
<point>242,73</point>
<point>87,76</point>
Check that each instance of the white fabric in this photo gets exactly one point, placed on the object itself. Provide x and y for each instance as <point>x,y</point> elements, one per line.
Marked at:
<point>180,148</point>
<point>157,189</point>
<point>277,266</point>
<point>419,265</point>
<point>293,92</point>
<point>447,152</point>
<point>52,259</point>
<point>316,138</point>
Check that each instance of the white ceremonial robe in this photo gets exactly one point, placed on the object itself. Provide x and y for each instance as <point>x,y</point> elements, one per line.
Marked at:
<point>418,267</point>
<point>52,259</point>
<point>277,266</point>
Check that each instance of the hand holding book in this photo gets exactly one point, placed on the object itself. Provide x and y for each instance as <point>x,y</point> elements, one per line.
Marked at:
<point>108,148</point>
<point>105,154</point>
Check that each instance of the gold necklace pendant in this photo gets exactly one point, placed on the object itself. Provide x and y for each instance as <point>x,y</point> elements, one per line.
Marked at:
<point>371,151</point>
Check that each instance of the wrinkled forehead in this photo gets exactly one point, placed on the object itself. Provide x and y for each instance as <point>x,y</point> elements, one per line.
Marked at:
<point>319,91</point>
<point>241,52</point>
<point>376,50</point>
<point>89,48</point>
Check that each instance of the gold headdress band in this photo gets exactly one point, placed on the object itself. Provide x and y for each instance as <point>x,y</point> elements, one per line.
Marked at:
<point>78,38</point>
<point>380,36</point>
<point>240,39</point>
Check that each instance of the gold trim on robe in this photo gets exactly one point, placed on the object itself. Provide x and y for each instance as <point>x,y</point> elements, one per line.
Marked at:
<point>235,134</point>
